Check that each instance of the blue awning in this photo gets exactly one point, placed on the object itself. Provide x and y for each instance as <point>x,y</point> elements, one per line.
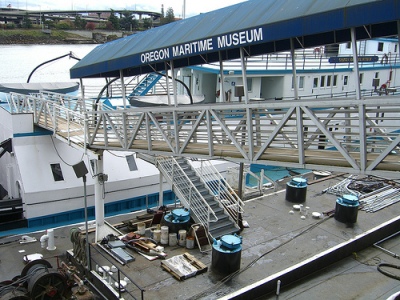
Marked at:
<point>259,26</point>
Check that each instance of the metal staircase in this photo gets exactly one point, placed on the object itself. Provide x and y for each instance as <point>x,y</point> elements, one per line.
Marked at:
<point>147,83</point>
<point>211,201</point>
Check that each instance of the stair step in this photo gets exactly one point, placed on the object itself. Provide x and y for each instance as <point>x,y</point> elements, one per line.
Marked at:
<point>217,233</point>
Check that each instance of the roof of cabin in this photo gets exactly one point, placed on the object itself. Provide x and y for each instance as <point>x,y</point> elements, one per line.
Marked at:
<point>259,26</point>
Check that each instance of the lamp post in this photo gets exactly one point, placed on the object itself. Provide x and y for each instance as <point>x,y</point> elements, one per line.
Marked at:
<point>80,172</point>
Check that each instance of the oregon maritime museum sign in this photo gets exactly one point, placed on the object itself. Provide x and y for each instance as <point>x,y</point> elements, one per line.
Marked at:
<point>239,38</point>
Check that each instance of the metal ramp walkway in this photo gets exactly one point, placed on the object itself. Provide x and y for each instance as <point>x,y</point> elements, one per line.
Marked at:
<point>343,135</point>
<point>146,84</point>
<point>209,198</point>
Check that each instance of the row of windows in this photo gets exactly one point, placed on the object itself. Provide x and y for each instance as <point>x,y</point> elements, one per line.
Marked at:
<point>325,81</point>
<point>380,46</point>
<point>322,81</point>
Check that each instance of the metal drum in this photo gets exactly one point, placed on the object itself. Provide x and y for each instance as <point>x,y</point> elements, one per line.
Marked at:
<point>296,190</point>
<point>226,254</point>
<point>346,210</point>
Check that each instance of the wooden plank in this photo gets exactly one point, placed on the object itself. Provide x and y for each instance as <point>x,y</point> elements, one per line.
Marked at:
<point>179,266</point>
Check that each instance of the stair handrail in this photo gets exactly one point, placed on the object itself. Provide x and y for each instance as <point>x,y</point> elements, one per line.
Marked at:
<point>223,192</point>
<point>176,176</point>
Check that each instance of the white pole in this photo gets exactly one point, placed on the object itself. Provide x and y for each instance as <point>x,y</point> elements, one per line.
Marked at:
<point>222,78</point>
<point>244,76</point>
<point>121,76</point>
<point>98,199</point>
<point>355,63</point>
<point>294,71</point>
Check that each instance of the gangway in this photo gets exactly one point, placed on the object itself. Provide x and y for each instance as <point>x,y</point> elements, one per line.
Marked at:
<point>146,84</point>
<point>345,135</point>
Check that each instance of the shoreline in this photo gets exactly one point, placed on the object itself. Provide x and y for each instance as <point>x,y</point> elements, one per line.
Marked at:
<point>53,37</point>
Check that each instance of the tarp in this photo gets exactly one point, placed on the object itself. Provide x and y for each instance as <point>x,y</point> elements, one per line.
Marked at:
<point>259,26</point>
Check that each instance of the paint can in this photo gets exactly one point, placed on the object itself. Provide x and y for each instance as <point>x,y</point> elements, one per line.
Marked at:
<point>172,239</point>
<point>182,237</point>
<point>164,235</point>
<point>141,228</point>
<point>157,235</point>
<point>190,242</point>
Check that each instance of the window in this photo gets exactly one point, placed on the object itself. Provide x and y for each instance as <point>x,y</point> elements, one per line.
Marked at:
<point>361,77</point>
<point>322,81</point>
<point>130,159</point>
<point>380,46</point>
<point>395,48</point>
<point>345,80</point>
<point>93,166</point>
<point>334,80</point>
<point>57,172</point>
<point>249,84</point>
<point>315,84</point>
<point>329,80</point>
<point>376,74</point>
<point>348,45</point>
<point>301,82</point>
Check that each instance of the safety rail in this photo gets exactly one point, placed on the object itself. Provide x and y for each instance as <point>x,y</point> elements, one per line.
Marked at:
<point>307,60</point>
<point>218,185</point>
<point>186,190</point>
<point>19,103</point>
<point>346,135</point>
<point>260,179</point>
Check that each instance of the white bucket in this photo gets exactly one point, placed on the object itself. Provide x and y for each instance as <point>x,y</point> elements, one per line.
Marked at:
<point>190,242</point>
<point>164,235</point>
<point>182,237</point>
<point>141,228</point>
<point>172,239</point>
<point>157,235</point>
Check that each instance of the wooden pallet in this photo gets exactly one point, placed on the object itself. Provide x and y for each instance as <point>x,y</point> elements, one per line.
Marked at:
<point>183,266</point>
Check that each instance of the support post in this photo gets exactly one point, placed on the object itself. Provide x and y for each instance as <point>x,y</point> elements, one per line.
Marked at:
<point>161,192</point>
<point>167,81</point>
<point>121,76</point>
<point>222,78</point>
<point>355,63</point>
<point>174,83</point>
<point>89,265</point>
<point>98,200</point>
<point>244,76</point>
<point>294,71</point>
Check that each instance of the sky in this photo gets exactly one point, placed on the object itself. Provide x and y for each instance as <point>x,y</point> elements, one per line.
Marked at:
<point>193,7</point>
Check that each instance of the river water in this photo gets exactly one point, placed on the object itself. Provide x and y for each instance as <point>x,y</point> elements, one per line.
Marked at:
<point>18,61</point>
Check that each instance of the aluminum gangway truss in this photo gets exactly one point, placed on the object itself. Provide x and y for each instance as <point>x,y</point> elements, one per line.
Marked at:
<point>346,135</point>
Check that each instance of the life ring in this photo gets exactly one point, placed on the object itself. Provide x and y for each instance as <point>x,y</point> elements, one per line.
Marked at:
<point>383,89</point>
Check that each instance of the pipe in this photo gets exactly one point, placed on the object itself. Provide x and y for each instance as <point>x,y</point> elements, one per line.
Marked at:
<point>49,239</point>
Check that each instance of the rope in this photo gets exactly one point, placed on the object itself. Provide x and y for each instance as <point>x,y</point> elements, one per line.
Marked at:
<point>387,273</point>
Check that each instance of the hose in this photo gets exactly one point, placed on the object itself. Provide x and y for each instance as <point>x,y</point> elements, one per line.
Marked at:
<point>387,273</point>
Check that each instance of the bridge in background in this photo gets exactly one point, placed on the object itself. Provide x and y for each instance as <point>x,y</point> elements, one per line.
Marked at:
<point>94,15</point>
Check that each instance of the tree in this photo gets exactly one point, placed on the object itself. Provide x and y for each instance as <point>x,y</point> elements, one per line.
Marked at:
<point>90,26</point>
<point>113,21</point>
<point>127,22</point>
<point>169,16</point>
<point>147,23</point>
<point>26,22</point>
<point>79,22</point>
